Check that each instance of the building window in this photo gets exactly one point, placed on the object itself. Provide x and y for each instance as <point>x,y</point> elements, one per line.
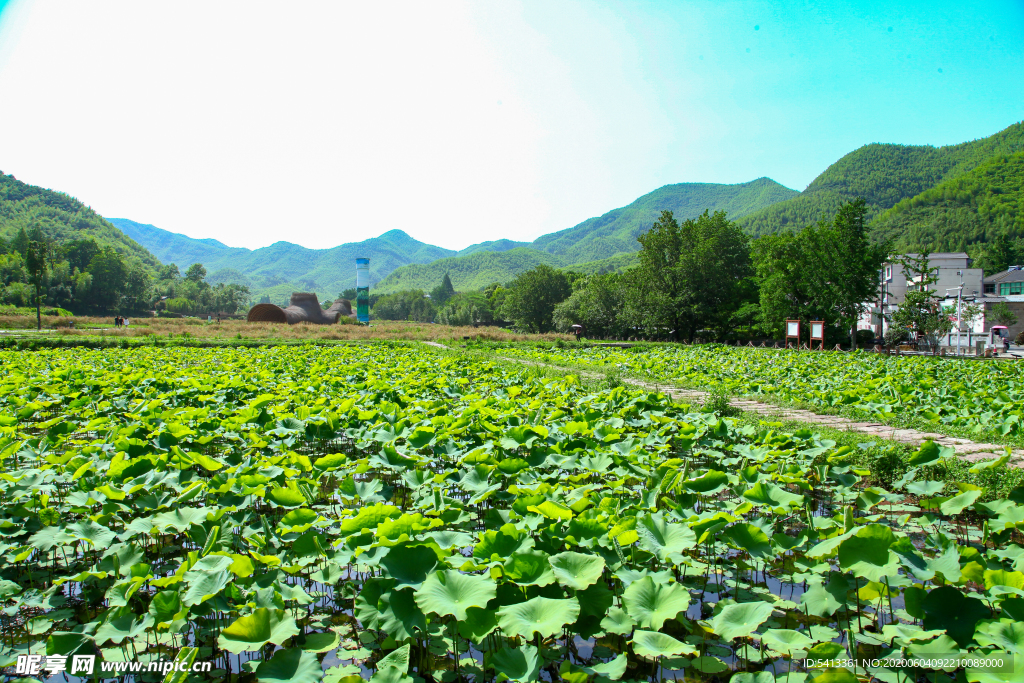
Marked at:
<point>888,273</point>
<point>1004,289</point>
<point>990,288</point>
<point>1016,287</point>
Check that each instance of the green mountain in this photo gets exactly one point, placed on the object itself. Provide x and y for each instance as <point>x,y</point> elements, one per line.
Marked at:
<point>616,231</point>
<point>283,267</point>
<point>596,245</point>
<point>62,218</point>
<point>972,208</point>
<point>884,175</point>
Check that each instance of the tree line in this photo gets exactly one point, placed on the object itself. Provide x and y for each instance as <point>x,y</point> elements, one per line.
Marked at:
<point>84,277</point>
<point>701,279</point>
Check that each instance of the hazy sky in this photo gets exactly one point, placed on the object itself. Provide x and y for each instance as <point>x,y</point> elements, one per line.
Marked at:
<point>323,123</point>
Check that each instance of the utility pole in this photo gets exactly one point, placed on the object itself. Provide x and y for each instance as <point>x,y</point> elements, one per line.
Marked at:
<point>959,308</point>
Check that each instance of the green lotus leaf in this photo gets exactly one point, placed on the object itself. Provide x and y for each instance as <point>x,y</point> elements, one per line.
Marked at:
<point>121,624</point>
<point>655,644</point>
<point>1002,577</point>
<point>651,604</point>
<point>710,482</point>
<point>69,643</point>
<point>613,669</point>
<point>867,551</point>
<point>1005,634</point>
<point>750,677</point>
<point>478,624</point>
<point>750,538</point>
<point>368,517</point>
<point>185,658</point>
<point>287,497</point>
<point>576,570</point>
<point>391,674</point>
<point>321,642</point>
<point>516,664</point>
<point>291,665</point>
<point>542,615</point>
<point>617,621</point>
<point>709,665</point>
<point>835,676</point>
<point>397,659</point>
<point>595,600</point>
<point>552,510</point>
<point>400,618</point>
<point>740,619</point>
<point>663,539</point>
<point>299,518</point>
<point>450,593</point>
<point>786,640</point>
<point>772,495</point>
<point>166,606</point>
<point>409,565</point>
<point>205,586</point>
<point>500,544</point>
<point>926,489</point>
<point>256,630</point>
<point>826,650</point>
<point>529,568</point>
<point>949,609</point>
<point>366,603</point>
<point>956,504</point>
<point>927,454</point>
<point>96,535</point>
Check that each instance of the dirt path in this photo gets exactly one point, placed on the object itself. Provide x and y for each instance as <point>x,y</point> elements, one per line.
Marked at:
<point>965,448</point>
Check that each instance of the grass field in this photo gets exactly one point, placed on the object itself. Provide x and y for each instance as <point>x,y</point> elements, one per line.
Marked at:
<point>400,513</point>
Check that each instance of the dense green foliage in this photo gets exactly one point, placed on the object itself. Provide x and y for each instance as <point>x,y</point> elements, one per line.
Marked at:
<point>984,397</point>
<point>425,515</point>
<point>692,275</point>
<point>824,272</point>
<point>55,246</point>
<point>410,304</point>
<point>62,219</point>
<point>883,175</point>
<point>967,213</point>
<point>532,296</point>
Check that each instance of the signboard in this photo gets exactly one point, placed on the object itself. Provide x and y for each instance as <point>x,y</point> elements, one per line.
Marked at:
<point>793,333</point>
<point>818,333</point>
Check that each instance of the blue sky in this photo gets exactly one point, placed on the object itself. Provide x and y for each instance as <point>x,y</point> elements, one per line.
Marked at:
<point>465,121</point>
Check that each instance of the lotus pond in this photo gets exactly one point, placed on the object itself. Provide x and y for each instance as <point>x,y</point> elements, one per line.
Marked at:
<point>395,513</point>
<point>976,395</point>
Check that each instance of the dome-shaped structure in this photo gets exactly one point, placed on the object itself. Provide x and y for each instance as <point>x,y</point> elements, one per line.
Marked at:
<point>266,313</point>
<point>304,307</point>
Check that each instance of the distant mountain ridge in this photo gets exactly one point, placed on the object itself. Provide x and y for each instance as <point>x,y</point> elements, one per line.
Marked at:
<point>284,267</point>
<point>586,246</point>
<point>884,175</point>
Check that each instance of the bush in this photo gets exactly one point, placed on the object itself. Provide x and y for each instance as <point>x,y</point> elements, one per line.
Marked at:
<point>1019,341</point>
<point>865,338</point>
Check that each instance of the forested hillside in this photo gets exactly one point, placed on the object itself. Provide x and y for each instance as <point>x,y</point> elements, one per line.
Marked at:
<point>62,219</point>
<point>981,211</point>
<point>883,174</point>
<point>616,231</point>
<point>600,244</point>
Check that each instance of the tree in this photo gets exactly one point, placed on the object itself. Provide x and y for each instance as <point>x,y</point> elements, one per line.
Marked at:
<point>920,311</point>
<point>35,264</point>
<point>466,308</point>
<point>196,273</point>
<point>596,304</point>
<point>444,291</point>
<point>1002,315</point>
<point>136,290</point>
<point>690,276</point>
<point>79,253</point>
<point>109,277</point>
<point>824,272</point>
<point>532,296</point>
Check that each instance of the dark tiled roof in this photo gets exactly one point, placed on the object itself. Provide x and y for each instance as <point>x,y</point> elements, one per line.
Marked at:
<point>1006,276</point>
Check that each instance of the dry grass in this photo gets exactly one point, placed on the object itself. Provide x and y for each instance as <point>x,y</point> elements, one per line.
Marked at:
<point>240,329</point>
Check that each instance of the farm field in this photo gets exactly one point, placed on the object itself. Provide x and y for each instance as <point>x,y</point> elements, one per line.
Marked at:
<point>980,397</point>
<point>395,513</point>
<point>176,330</point>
